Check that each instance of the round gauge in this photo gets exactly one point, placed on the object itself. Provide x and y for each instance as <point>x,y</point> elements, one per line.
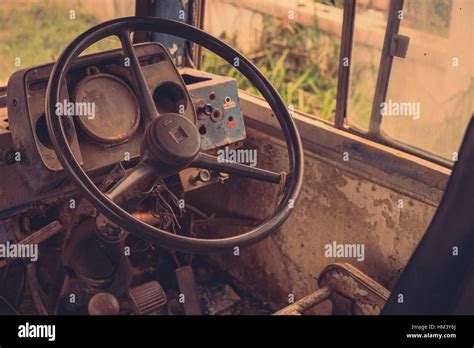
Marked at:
<point>113,114</point>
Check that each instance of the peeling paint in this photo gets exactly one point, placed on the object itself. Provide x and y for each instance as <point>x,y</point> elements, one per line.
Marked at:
<point>334,206</point>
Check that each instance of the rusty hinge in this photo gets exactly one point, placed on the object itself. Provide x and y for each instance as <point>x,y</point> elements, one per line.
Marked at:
<point>399,46</point>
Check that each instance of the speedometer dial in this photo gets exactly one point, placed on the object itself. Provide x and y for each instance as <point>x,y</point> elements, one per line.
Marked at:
<point>116,114</point>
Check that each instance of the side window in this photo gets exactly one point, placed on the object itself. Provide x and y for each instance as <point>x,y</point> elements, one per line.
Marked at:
<point>370,21</point>
<point>295,45</point>
<point>413,87</point>
<point>409,82</point>
<point>430,93</point>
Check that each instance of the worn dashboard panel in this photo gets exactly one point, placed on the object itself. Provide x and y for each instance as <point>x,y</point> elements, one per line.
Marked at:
<point>40,170</point>
<point>219,117</point>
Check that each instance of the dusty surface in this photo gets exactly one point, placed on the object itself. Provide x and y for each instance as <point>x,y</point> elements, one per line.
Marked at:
<point>334,206</point>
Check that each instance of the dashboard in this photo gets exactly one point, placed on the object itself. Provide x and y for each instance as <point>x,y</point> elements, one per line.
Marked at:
<point>103,123</point>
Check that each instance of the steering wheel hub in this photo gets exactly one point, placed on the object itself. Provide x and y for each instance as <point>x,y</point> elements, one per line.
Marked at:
<point>171,141</point>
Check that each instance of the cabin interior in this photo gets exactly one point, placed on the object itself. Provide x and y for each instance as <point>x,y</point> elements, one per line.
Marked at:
<point>307,196</point>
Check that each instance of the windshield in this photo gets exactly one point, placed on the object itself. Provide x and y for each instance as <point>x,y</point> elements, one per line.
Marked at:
<point>35,32</point>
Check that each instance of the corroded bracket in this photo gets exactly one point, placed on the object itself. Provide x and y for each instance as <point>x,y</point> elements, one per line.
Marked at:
<point>365,295</point>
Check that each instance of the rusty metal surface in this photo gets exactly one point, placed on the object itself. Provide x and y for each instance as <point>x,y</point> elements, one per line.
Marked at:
<point>33,181</point>
<point>188,291</point>
<point>26,95</point>
<point>35,288</point>
<point>367,295</point>
<point>39,236</point>
<point>307,302</point>
<point>191,179</point>
<point>27,119</point>
<point>147,217</point>
<point>4,126</point>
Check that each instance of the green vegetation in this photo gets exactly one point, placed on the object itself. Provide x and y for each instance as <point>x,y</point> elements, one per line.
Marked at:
<point>297,61</point>
<point>38,33</point>
<point>361,92</point>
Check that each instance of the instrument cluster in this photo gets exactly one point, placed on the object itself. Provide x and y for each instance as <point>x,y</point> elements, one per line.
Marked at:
<point>102,119</point>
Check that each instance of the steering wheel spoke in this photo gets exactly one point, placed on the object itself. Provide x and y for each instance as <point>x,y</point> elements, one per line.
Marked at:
<point>147,105</point>
<point>207,161</point>
<point>141,172</point>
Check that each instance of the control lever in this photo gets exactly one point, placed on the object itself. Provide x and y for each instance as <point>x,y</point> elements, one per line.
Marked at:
<point>188,291</point>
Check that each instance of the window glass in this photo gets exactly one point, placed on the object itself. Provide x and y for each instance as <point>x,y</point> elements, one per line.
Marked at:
<point>294,43</point>
<point>431,92</point>
<point>369,31</point>
<point>34,32</point>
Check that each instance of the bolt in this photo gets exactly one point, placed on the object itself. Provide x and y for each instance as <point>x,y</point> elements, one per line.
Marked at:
<point>208,109</point>
<point>216,115</point>
<point>202,176</point>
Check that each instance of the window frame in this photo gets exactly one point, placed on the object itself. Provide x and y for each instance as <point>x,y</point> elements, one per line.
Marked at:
<point>383,80</point>
<point>382,84</point>
<point>394,166</point>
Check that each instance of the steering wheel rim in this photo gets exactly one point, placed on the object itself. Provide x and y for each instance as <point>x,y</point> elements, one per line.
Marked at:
<point>113,211</point>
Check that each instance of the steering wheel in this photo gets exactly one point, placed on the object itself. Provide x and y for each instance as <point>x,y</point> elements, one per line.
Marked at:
<point>172,142</point>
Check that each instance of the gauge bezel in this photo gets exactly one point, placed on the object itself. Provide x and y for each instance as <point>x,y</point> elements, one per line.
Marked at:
<point>115,137</point>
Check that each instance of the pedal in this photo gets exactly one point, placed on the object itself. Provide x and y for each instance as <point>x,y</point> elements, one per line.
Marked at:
<point>188,291</point>
<point>147,299</point>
